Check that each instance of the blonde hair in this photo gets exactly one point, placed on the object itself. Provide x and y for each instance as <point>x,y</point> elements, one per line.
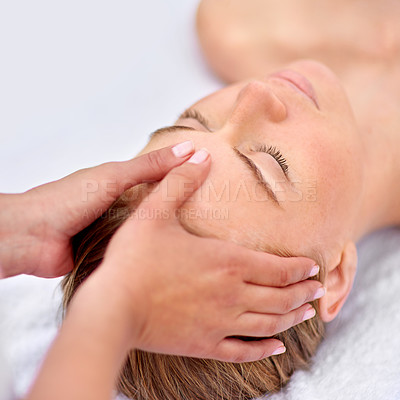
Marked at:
<point>150,376</point>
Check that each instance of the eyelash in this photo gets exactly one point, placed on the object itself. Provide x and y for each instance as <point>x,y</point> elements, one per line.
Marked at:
<point>271,150</point>
<point>274,152</point>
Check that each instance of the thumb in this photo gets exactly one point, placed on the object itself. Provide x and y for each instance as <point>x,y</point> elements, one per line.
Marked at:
<point>178,186</point>
<point>86,194</point>
<point>112,179</point>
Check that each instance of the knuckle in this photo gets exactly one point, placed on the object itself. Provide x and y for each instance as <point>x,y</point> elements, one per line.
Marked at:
<point>230,254</point>
<point>309,295</point>
<point>305,273</point>
<point>299,299</point>
<point>286,303</point>
<point>181,175</point>
<point>230,266</point>
<point>233,273</point>
<point>298,296</point>
<point>298,316</point>
<point>263,354</point>
<point>239,357</point>
<point>261,328</point>
<point>272,327</point>
<point>156,161</point>
<point>312,286</point>
<point>284,275</point>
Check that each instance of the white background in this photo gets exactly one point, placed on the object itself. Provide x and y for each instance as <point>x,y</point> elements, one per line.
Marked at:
<point>84,81</point>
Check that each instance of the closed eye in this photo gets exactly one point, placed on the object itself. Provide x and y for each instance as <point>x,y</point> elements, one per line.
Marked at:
<point>258,175</point>
<point>262,148</point>
<point>192,113</point>
<point>275,153</point>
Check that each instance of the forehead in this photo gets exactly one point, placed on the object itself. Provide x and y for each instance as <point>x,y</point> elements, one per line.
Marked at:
<point>324,154</point>
<point>219,104</point>
<point>225,207</point>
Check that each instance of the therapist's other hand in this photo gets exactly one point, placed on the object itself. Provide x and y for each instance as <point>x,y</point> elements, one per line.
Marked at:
<point>194,296</point>
<point>36,226</point>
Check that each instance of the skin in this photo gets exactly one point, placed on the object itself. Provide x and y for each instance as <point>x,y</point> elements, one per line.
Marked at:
<point>147,290</point>
<point>35,236</point>
<point>153,286</point>
<point>349,158</point>
<point>348,148</point>
<point>251,37</point>
<point>242,40</point>
<point>323,148</point>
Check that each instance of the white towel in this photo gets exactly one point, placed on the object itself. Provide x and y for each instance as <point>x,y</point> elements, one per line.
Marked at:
<point>29,318</point>
<point>359,358</point>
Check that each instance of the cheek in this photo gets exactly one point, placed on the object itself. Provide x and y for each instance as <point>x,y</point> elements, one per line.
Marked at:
<point>336,173</point>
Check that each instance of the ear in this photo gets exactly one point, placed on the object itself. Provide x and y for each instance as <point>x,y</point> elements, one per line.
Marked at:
<point>339,281</point>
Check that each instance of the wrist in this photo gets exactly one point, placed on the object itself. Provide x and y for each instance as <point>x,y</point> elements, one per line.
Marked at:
<point>91,346</point>
<point>104,304</point>
<point>16,239</point>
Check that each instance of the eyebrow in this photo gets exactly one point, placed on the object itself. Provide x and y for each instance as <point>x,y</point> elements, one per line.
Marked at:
<point>258,175</point>
<point>170,129</point>
<point>194,114</point>
<point>190,113</point>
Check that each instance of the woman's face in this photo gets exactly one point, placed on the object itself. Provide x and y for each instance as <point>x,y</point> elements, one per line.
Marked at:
<point>286,168</point>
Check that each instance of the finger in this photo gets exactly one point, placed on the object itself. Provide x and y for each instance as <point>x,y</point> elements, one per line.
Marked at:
<point>270,270</point>
<point>239,351</point>
<point>178,186</point>
<point>263,299</point>
<point>108,181</point>
<point>86,194</point>
<point>264,325</point>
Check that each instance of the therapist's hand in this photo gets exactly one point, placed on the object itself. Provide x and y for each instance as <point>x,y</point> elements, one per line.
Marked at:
<point>193,296</point>
<point>36,226</point>
<point>162,289</point>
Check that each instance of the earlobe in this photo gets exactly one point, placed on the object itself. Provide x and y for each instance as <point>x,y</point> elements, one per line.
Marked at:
<point>339,281</point>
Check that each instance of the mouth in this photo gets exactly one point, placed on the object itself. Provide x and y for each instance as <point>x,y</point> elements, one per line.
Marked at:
<point>298,82</point>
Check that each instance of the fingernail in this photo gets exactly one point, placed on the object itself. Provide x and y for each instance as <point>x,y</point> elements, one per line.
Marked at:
<point>279,350</point>
<point>319,293</point>
<point>183,149</point>
<point>314,271</point>
<point>199,157</point>
<point>310,313</point>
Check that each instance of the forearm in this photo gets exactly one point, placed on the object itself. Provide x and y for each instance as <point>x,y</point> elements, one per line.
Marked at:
<point>86,357</point>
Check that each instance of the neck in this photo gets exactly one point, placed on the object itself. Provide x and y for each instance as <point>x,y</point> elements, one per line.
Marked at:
<point>374,92</point>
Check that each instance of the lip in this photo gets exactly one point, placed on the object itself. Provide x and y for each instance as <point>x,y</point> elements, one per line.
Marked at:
<point>299,82</point>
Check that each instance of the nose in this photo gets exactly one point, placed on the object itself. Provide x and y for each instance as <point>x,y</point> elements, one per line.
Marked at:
<point>257,102</point>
